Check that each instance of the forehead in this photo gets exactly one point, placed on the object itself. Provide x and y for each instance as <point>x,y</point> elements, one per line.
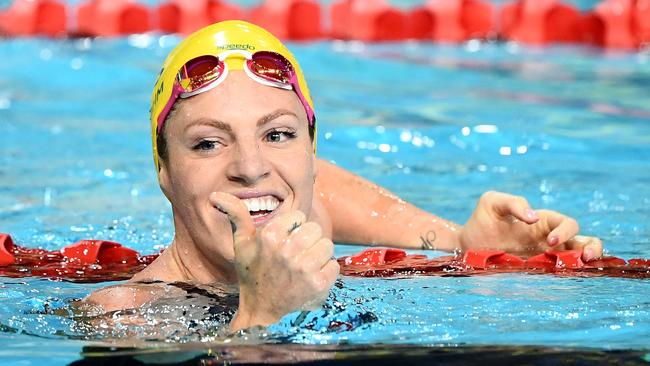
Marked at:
<point>238,100</point>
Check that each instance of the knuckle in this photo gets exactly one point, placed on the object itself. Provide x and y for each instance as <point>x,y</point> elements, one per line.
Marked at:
<point>296,216</point>
<point>323,283</point>
<point>595,243</point>
<point>334,269</point>
<point>573,223</point>
<point>329,248</point>
<point>313,229</point>
<point>329,245</point>
<point>286,254</point>
<point>488,196</point>
<point>301,215</point>
<point>521,201</point>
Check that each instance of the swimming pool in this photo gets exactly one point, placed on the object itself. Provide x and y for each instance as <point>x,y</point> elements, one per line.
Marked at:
<point>567,127</point>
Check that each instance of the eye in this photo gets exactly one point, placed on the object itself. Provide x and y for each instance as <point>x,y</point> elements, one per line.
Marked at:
<point>206,145</point>
<point>278,136</point>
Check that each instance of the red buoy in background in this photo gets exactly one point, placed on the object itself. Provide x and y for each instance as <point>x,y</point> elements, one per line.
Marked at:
<point>641,22</point>
<point>478,18</point>
<point>451,20</point>
<point>367,20</point>
<point>187,16</point>
<point>539,22</point>
<point>612,24</point>
<point>34,17</point>
<point>112,18</point>
<point>289,19</point>
<point>420,22</point>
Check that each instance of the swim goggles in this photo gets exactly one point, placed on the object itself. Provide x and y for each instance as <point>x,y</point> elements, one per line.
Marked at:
<point>205,72</point>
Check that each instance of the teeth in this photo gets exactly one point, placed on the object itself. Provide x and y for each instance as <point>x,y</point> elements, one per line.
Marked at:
<point>255,205</point>
<point>267,203</point>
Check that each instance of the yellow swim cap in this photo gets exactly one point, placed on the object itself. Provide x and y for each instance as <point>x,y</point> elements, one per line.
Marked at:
<point>231,35</point>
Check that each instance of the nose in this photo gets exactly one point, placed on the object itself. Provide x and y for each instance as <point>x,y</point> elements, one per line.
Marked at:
<point>249,165</point>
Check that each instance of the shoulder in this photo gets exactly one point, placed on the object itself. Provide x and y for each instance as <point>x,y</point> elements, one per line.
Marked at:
<point>127,296</point>
<point>145,286</point>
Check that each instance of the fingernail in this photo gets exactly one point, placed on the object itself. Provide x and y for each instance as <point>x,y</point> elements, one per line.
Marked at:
<point>531,214</point>
<point>553,240</point>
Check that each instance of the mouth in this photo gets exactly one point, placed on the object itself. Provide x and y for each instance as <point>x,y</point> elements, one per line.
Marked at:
<point>261,208</point>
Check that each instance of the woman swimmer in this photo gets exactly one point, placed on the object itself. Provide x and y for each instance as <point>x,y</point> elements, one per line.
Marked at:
<point>234,139</point>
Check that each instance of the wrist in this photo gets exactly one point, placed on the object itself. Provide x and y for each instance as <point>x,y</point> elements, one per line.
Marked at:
<point>247,317</point>
<point>434,233</point>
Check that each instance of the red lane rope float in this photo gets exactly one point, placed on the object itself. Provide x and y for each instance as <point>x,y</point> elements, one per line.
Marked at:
<point>186,16</point>
<point>29,18</point>
<point>540,22</point>
<point>618,24</point>
<point>621,24</point>
<point>112,18</point>
<point>84,261</point>
<point>289,19</point>
<point>379,262</point>
<point>451,20</point>
<point>100,260</point>
<point>367,20</point>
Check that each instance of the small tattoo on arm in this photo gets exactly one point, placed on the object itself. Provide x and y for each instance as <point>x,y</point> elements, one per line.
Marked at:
<point>428,239</point>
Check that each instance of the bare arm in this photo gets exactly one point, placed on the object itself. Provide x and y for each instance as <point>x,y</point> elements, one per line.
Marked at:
<point>364,213</point>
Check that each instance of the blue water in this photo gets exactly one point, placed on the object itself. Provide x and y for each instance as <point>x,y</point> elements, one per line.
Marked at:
<point>567,127</point>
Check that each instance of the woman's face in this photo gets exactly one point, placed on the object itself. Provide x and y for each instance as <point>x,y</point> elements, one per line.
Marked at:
<point>242,138</point>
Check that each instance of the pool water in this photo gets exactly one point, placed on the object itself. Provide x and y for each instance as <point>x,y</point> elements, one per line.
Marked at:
<point>567,127</point>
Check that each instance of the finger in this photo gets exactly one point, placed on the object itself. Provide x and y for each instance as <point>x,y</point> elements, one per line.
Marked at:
<point>509,205</point>
<point>591,247</point>
<point>243,227</point>
<point>562,228</point>
<point>319,255</point>
<point>279,228</point>
<point>329,273</point>
<point>305,235</point>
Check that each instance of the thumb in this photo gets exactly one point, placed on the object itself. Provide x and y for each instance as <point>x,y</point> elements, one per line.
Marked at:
<point>242,225</point>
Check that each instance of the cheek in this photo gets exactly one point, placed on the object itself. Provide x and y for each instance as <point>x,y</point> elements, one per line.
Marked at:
<point>301,171</point>
<point>191,179</point>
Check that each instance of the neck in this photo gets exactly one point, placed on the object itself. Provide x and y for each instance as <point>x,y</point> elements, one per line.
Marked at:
<point>193,264</point>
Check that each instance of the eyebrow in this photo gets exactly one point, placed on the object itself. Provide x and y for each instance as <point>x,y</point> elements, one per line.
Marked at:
<point>210,122</point>
<point>226,127</point>
<point>271,116</point>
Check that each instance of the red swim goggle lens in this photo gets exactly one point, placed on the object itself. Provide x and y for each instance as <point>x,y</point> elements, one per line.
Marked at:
<point>201,72</point>
<point>271,66</point>
<point>205,72</point>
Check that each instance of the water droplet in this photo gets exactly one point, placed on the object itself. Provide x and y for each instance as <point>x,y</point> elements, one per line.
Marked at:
<point>76,63</point>
<point>45,54</point>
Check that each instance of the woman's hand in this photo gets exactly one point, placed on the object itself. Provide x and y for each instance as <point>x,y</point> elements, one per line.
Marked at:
<point>506,222</point>
<point>285,266</point>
